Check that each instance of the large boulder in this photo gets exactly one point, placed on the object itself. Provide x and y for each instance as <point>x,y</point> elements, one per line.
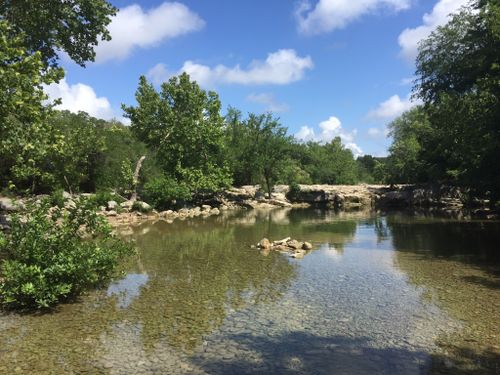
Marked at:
<point>9,205</point>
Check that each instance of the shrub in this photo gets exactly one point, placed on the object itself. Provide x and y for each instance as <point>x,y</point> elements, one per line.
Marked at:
<point>51,254</point>
<point>57,198</point>
<point>293,191</point>
<point>101,198</point>
<point>164,192</point>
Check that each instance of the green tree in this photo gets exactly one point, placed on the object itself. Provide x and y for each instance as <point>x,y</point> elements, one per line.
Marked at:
<point>406,162</point>
<point>72,26</point>
<point>458,70</point>
<point>183,124</point>
<point>26,138</point>
<point>258,148</point>
<point>329,163</point>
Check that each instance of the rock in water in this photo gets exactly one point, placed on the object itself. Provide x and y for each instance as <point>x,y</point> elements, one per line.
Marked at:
<point>265,244</point>
<point>307,246</point>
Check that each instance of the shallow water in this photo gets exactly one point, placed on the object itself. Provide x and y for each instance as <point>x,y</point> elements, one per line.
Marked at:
<point>388,294</point>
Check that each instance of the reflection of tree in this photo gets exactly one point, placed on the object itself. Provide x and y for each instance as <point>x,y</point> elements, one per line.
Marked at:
<point>197,272</point>
<point>457,265</point>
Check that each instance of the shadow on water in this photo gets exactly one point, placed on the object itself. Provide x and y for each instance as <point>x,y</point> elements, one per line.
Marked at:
<point>304,353</point>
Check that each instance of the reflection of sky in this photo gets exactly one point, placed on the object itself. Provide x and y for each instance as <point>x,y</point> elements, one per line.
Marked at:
<point>128,288</point>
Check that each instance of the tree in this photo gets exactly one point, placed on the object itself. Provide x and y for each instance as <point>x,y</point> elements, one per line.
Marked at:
<point>258,148</point>
<point>330,163</point>
<point>72,26</point>
<point>183,124</point>
<point>271,147</point>
<point>407,160</point>
<point>459,81</point>
<point>25,138</point>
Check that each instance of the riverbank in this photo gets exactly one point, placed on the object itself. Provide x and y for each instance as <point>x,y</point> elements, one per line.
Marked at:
<point>446,199</point>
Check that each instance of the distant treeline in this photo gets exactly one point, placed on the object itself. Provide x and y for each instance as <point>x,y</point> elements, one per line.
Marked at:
<point>452,137</point>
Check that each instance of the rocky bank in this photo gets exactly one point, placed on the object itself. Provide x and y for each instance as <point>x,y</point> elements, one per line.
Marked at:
<point>342,197</point>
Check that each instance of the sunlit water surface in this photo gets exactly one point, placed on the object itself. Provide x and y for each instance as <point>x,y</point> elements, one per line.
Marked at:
<point>379,294</point>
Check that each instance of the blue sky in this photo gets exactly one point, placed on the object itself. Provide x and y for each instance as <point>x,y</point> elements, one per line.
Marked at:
<point>325,67</point>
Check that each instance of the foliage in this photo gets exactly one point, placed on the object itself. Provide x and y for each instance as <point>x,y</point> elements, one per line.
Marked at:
<point>25,140</point>
<point>102,197</point>
<point>293,191</point>
<point>329,163</point>
<point>56,198</point>
<point>258,146</point>
<point>163,192</point>
<point>182,123</point>
<point>50,26</point>
<point>459,81</point>
<point>55,254</point>
<point>406,162</point>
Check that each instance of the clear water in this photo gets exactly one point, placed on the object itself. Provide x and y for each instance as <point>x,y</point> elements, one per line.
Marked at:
<point>379,294</point>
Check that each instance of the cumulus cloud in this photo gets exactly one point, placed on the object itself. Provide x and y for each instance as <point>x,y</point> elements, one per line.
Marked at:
<point>281,67</point>
<point>81,97</point>
<point>329,15</point>
<point>392,107</point>
<point>268,101</point>
<point>410,37</point>
<point>328,130</point>
<point>133,27</point>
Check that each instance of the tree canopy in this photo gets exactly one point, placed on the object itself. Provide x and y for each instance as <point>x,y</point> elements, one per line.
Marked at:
<point>50,26</point>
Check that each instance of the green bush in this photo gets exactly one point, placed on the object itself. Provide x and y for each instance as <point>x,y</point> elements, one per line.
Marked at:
<point>52,254</point>
<point>164,192</point>
<point>101,198</point>
<point>57,198</point>
<point>293,191</point>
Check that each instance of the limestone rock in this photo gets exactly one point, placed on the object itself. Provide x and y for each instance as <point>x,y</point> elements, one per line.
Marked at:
<point>112,205</point>
<point>265,243</point>
<point>307,246</point>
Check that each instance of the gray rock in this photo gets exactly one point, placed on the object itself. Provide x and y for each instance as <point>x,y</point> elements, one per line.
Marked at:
<point>111,213</point>
<point>9,205</point>
<point>112,205</point>
<point>127,204</point>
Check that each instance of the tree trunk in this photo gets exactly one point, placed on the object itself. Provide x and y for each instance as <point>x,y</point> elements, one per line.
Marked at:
<point>268,184</point>
<point>135,181</point>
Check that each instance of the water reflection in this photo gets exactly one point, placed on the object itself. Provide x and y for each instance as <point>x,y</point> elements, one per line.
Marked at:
<point>457,265</point>
<point>379,294</point>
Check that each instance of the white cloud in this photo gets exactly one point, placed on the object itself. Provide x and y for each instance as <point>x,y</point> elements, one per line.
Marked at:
<point>375,132</point>
<point>328,130</point>
<point>281,67</point>
<point>392,107</point>
<point>268,101</point>
<point>410,38</point>
<point>133,27</point>
<point>329,15</point>
<point>158,74</point>
<point>81,97</point>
